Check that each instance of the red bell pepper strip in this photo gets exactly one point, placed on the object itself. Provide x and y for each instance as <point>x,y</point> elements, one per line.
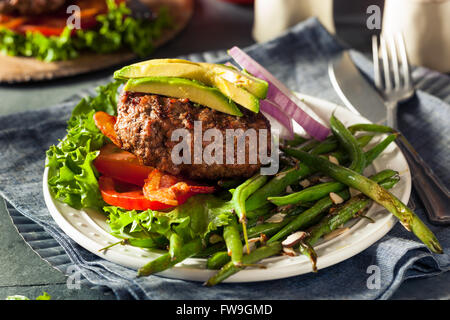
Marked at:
<point>121,165</point>
<point>132,198</point>
<point>105,123</point>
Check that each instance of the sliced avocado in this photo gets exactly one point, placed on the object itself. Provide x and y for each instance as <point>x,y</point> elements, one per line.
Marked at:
<point>237,94</point>
<point>255,86</point>
<point>236,85</point>
<point>184,88</point>
<point>162,68</point>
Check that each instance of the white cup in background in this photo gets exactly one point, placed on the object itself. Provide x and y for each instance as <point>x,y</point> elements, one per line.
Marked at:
<point>425,25</point>
<point>273,17</point>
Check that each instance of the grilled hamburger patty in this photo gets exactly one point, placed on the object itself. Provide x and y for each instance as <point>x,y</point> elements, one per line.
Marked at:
<point>145,123</point>
<point>29,7</point>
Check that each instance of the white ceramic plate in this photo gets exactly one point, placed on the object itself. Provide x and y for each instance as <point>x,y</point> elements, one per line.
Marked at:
<point>90,230</point>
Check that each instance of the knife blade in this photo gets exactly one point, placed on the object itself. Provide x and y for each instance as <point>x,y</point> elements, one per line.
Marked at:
<point>354,90</point>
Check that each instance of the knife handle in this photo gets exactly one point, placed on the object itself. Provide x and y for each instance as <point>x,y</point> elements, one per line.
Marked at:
<point>434,195</point>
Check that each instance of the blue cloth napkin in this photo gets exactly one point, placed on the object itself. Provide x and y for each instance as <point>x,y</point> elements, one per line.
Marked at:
<point>299,58</point>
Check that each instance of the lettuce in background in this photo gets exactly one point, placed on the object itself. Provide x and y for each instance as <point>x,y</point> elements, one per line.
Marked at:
<point>117,29</point>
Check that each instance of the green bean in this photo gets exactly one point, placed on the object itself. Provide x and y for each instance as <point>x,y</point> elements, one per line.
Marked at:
<point>229,184</point>
<point>261,211</point>
<point>278,184</point>
<point>364,140</point>
<point>268,228</point>
<point>208,251</point>
<point>232,239</point>
<point>377,193</point>
<point>240,195</point>
<point>373,153</point>
<point>300,221</point>
<point>370,127</point>
<point>153,242</point>
<point>176,243</point>
<point>339,217</point>
<point>318,191</point>
<point>349,143</point>
<point>298,140</point>
<point>218,260</point>
<point>309,145</point>
<point>253,257</point>
<point>164,261</point>
<point>308,194</point>
<point>327,145</point>
<point>252,231</point>
<point>320,207</point>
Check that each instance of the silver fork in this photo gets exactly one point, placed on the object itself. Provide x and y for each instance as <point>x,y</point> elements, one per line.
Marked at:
<point>393,80</point>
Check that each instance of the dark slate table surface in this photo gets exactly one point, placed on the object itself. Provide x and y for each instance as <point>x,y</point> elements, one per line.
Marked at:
<point>216,25</point>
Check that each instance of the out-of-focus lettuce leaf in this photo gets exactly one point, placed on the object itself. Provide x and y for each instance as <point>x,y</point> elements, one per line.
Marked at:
<point>116,29</point>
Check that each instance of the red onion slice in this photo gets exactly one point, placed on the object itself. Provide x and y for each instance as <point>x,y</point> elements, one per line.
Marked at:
<point>278,93</point>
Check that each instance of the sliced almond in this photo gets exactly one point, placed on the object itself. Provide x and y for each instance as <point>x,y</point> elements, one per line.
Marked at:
<point>276,218</point>
<point>252,246</point>
<point>289,189</point>
<point>305,183</point>
<point>333,159</point>
<point>325,179</point>
<point>336,198</point>
<point>354,192</point>
<point>289,252</point>
<point>335,233</point>
<point>252,240</point>
<point>293,239</point>
<point>284,208</point>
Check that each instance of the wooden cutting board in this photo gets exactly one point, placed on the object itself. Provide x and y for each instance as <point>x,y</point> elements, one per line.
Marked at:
<point>22,69</point>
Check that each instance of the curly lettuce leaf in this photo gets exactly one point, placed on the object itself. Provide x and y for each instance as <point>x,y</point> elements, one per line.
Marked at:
<point>72,176</point>
<point>197,217</point>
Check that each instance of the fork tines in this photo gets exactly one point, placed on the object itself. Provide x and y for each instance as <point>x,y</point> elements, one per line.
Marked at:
<point>391,49</point>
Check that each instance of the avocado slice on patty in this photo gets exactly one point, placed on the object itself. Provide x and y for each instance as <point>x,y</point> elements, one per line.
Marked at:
<point>184,88</point>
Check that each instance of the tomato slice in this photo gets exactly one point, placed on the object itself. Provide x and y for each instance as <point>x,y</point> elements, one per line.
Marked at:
<point>12,23</point>
<point>121,165</point>
<point>46,31</point>
<point>105,123</point>
<point>127,197</point>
